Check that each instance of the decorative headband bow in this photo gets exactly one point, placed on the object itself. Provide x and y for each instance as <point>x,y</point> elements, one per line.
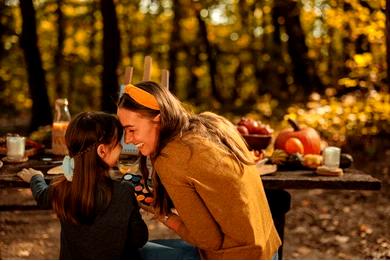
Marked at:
<point>68,167</point>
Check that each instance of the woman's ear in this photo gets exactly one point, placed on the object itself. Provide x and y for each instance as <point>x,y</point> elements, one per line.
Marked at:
<point>101,151</point>
<point>157,118</point>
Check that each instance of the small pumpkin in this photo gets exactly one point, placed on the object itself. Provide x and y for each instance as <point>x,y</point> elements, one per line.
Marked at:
<point>309,137</point>
<point>294,145</point>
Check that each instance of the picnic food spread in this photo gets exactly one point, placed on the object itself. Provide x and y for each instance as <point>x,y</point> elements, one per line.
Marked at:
<point>295,148</point>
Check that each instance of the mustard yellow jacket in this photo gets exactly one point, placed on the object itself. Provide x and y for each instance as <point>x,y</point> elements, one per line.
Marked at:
<point>224,210</point>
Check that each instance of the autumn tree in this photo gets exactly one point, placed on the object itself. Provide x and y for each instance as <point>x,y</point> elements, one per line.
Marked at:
<point>41,110</point>
<point>111,55</point>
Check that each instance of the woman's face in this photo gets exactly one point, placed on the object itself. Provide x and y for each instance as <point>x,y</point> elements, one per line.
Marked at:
<point>140,130</point>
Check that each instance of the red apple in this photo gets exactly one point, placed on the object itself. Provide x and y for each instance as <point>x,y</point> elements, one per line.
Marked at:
<point>243,121</point>
<point>242,129</point>
<point>263,129</point>
<point>250,124</point>
<point>253,126</point>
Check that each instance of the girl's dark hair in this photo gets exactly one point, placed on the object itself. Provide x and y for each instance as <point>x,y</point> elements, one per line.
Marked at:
<point>176,120</point>
<point>79,201</point>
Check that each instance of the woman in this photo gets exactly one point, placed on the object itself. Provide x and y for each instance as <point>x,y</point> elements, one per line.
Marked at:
<point>203,171</point>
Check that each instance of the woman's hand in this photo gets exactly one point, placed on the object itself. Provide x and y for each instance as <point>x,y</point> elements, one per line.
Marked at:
<point>27,174</point>
<point>172,221</point>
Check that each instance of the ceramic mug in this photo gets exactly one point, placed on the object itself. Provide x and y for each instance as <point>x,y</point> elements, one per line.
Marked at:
<point>15,147</point>
<point>332,157</point>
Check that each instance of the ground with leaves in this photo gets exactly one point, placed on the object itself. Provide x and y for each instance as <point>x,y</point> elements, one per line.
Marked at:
<point>322,224</point>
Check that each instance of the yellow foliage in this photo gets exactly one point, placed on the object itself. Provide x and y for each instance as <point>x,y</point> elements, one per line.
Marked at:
<point>99,25</point>
<point>267,9</point>
<point>199,71</point>
<point>83,52</point>
<point>47,26</point>
<point>363,60</point>
<point>189,24</point>
<point>68,10</point>
<point>120,9</point>
<point>80,36</point>
<point>141,40</point>
<point>68,46</point>
<point>90,80</point>
<point>334,17</point>
<point>243,41</point>
<point>347,82</point>
<point>223,31</point>
<point>73,11</point>
<point>349,116</point>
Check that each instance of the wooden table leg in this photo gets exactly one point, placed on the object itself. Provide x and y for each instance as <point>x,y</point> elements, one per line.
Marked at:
<point>279,202</point>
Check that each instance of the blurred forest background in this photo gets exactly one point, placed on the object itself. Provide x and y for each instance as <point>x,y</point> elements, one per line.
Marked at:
<point>322,62</point>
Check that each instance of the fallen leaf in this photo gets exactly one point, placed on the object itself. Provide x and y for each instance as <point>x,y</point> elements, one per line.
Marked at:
<point>342,239</point>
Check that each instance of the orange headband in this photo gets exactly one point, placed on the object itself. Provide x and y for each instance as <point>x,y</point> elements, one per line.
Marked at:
<point>142,97</point>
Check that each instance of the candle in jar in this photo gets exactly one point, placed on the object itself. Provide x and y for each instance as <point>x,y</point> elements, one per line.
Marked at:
<point>332,157</point>
<point>58,137</point>
<point>15,147</point>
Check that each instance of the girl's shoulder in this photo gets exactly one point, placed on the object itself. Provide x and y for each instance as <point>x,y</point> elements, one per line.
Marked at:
<point>122,187</point>
<point>124,192</point>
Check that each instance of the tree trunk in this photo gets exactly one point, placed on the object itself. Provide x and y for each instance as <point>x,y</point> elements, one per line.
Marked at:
<point>2,29</point>
<point>148,35</point>
<point>2,51</point>
<point>245,10</point>
<point>58,57</point>
<point>346,41</point>
<point>129,36</point>
<point>210,57</point>
<point>41,110</point>
<point>174,44</point>
<point>111,55</point>
<point>388,40</point>
<point>192,91</point>
<point>303,68</point>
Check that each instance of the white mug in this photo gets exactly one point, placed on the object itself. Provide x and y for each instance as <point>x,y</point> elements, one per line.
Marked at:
<point>332,157</point>
<point>15,147</point>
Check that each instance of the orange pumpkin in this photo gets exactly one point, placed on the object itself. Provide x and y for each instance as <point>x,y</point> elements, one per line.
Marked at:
<point>294,145</point>
<point>309,137</point>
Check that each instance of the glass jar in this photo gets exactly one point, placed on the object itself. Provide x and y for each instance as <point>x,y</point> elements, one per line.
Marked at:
<point>60,124</point>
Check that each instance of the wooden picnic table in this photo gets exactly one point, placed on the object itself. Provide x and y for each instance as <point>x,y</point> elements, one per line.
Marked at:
<point>275,184</point>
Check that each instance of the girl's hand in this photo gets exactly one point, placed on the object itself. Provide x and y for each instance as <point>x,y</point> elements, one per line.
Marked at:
<point>27,174</point>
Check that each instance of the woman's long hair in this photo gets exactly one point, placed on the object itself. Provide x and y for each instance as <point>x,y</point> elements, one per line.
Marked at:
<point>90,190</point>
<point>176,120</point>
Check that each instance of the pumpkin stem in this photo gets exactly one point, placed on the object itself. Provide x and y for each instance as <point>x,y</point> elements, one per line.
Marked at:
<point>294,124</point>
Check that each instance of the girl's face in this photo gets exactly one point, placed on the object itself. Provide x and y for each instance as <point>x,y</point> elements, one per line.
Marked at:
<point>139,130</point>
<point>109,153</point>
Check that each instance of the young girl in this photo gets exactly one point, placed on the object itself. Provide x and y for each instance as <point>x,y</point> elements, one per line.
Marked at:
<point>202,169</point>
<point>99,217</point>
